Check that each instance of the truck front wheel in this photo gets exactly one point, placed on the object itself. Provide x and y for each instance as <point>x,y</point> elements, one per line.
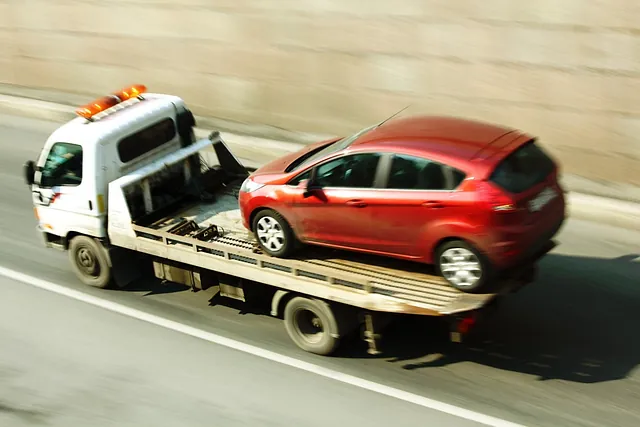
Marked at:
<point>312,325</point>
<point>89,262</point>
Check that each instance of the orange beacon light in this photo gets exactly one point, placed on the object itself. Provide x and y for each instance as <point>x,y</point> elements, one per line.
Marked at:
<point>101,104</point>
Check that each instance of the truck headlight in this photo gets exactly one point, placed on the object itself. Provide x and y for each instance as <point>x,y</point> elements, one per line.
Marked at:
<point>250,185</point>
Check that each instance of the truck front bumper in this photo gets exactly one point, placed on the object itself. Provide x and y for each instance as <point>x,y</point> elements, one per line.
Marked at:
<point>42,235</point>
<point>46,241</point>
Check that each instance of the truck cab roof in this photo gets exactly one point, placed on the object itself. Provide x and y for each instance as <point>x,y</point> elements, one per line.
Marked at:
<point>117,121</point>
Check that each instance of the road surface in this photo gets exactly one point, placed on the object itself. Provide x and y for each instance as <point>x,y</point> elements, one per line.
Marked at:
<point>562,352</point>
<point>67,363</point>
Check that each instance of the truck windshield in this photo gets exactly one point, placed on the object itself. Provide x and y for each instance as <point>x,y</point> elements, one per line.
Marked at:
<point>63,166</point>
<point>320,152</point>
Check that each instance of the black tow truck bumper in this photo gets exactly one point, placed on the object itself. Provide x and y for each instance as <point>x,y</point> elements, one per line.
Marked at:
<point>512,281</point>
<point>526,271</point>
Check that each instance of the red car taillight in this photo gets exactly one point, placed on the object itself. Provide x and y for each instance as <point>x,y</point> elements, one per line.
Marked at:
<point>497,200</point>
<point>501,203</point>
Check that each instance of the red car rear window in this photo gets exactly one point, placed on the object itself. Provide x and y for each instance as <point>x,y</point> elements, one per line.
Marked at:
<point>526,167</point>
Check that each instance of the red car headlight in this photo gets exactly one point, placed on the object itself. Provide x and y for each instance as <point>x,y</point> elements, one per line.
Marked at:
<point>250,185</point>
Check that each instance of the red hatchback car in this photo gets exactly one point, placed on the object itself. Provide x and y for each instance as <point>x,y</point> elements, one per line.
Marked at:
<point>475,199</point>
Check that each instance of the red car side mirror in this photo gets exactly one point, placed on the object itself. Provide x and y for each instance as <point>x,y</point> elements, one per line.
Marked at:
<point>305,185</point>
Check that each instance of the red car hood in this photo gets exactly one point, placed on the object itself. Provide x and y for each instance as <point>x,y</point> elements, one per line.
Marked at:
<point>278,166</point>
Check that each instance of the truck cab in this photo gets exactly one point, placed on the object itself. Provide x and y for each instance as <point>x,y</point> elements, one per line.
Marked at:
<point>111,137</point>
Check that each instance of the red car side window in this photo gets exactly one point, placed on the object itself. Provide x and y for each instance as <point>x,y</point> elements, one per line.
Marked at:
<point>354,171</point>
<point>415,173</point>
<point>305,175</point>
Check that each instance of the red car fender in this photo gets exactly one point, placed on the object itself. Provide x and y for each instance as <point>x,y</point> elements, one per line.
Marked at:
<point>437,232</point>
<point>274,200</point>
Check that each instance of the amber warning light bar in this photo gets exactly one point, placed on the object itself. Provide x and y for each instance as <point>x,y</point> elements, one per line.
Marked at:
<point>99,105</point>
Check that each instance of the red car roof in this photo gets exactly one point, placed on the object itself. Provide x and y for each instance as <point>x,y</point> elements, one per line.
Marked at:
<point>450,136</point>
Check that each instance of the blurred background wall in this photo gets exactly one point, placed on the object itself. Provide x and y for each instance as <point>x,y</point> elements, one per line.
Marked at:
<point>565,70</point>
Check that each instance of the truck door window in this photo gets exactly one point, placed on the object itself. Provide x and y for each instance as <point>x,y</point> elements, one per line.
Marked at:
<point>146,140</point>
<point>63,166</point>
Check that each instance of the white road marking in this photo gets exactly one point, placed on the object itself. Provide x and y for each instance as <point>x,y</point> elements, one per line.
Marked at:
<point>259,352</point>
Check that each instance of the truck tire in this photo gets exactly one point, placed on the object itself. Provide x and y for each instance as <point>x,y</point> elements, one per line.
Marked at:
<point>462,255</point>
<point>89,262</point>
<point>273,233</point>
<point>311,325</point>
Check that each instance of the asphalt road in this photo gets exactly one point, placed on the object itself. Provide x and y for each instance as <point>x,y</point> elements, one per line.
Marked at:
<point>562,352</point>
<point>70,364</point>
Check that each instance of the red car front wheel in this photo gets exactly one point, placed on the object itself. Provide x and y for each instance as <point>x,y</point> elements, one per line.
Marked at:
<point>273,233</point>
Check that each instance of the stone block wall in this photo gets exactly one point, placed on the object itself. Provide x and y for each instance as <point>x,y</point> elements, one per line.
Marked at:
<point>567,71</point>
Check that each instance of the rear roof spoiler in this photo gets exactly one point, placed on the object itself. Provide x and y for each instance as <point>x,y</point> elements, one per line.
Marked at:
<point>501,141</point>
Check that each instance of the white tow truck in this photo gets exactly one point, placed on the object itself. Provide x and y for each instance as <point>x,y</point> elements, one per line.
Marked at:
<point>127,182</point>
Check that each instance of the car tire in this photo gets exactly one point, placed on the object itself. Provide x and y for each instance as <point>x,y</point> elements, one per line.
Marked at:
<point>89,262</point>
<point>469,270</point>
<point>273,233</point>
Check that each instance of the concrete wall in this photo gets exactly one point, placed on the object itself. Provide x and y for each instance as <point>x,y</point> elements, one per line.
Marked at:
<point>566,70</point>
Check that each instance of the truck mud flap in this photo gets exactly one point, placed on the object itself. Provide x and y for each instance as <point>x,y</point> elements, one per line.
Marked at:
<point>125,266</point>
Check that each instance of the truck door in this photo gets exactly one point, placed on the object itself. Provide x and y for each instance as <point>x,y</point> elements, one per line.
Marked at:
<point>62,192</point>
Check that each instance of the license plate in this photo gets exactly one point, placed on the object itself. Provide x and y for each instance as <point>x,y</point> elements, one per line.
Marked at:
<point>542,199</point>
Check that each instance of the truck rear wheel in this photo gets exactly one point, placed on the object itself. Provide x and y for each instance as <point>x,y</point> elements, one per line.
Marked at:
<point>89,262</point>
<point>311,325</point>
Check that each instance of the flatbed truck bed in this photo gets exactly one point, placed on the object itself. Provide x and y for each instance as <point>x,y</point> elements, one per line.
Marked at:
<point>203,244</point>
<point>347,278</point>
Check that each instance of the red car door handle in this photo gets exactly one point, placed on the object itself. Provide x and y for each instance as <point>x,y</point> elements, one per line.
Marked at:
<point>433,204</point>
<point>356,203</point>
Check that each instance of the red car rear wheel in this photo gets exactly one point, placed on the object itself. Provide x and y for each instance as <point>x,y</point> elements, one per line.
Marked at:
<point>463,266</point>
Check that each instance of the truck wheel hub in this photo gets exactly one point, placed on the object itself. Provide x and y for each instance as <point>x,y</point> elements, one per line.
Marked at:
<point>87,261</point>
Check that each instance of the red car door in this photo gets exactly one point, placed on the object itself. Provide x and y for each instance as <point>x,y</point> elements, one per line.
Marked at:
<point>337,209</point>
<point>414,206</point>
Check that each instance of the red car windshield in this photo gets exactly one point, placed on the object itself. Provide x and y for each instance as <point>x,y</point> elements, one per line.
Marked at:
<point>320,152</point>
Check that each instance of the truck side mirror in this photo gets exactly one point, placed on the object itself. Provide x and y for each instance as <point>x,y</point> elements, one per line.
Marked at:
<point>29,170</point>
